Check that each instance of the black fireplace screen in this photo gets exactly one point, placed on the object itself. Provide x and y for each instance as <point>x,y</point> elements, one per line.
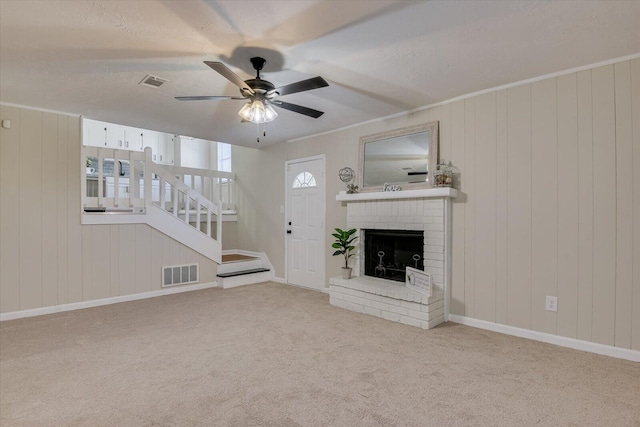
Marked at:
<point>387,253</point>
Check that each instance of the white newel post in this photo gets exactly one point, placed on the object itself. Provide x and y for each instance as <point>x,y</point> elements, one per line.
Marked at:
<point>219,222</point>
<point>148,171</point>
<point>100,177</point>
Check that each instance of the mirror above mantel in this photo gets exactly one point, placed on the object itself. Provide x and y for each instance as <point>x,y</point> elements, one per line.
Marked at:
<point>405,157</point>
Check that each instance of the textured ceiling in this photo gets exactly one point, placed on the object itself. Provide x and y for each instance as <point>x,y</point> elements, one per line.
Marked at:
<point>379,57</point>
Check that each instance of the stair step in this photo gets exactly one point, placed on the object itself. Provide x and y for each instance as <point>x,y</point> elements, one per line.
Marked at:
<point>243,272</point>
<point>228,258</point>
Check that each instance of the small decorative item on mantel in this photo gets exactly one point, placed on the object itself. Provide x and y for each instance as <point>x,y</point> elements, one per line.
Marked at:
<point>391,187</point>
<point>346,175</point>
<point>344,246</point>
<point>443,176</point>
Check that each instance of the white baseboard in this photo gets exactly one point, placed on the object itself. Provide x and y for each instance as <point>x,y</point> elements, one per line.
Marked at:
<point>279,280</point>
<point>104,301</point>
<point>606,350</point>
<point>323,290</point>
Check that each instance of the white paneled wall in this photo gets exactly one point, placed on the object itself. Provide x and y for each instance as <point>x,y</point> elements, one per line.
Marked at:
<point>550,203</point>
<point>549,172</point>
<point>46,257</point>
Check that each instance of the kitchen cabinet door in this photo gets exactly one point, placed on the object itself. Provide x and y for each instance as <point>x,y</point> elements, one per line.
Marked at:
<point>165,149</point>
<point>93,133</point>
<point>133,139</point>
<point>114,136</point>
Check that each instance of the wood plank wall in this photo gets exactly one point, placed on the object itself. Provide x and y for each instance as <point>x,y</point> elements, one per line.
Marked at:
<point>550,176</point>
<point>46,256</point>
<point>549,203</point>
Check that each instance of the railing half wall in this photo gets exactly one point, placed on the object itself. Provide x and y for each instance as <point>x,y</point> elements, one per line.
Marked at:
<point>121,186</point>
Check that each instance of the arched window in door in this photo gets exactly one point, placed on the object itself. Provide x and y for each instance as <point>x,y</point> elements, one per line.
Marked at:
<point>303,180</point>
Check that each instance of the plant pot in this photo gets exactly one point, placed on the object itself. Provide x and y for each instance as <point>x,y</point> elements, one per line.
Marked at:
<point>346,272</point>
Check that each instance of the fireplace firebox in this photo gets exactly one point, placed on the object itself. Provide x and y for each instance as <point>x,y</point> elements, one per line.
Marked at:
<point>387,253</point>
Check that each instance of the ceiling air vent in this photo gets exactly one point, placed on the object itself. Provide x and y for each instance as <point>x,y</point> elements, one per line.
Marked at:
<point>152,81</point>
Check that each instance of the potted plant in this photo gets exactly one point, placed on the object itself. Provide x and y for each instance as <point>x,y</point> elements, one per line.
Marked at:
<point>343,244</point>
<point>90,170</point>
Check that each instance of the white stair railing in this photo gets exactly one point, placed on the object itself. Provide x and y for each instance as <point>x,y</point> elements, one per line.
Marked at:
<point>185,203</point>
<point>214,185</point>
<point>105,188</point>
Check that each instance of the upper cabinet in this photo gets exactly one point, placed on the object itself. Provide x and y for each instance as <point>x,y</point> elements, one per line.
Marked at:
<point>110,135</point>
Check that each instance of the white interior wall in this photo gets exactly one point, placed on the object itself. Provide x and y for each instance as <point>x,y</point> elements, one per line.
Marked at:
<point>549,204</point>
<point>196,153</point>
<point>47,257</point>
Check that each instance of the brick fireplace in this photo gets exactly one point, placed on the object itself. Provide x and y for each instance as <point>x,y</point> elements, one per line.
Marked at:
<point>427,211</point>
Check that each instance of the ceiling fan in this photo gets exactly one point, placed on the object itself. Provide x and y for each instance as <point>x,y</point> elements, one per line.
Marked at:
<point>262,94</point>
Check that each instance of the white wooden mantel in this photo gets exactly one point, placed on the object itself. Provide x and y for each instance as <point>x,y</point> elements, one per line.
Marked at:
<point>446,192</point>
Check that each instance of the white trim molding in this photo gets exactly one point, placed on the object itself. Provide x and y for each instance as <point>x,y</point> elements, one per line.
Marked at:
<point>104,301</point>
<point>425,193</point>
<point>605,350</point>
<point>472,94</point>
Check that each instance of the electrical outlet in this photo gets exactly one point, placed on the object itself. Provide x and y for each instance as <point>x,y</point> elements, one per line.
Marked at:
<point>552,303</point>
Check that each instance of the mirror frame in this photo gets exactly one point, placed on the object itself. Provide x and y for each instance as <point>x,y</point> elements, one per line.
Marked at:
<point>408,130</point>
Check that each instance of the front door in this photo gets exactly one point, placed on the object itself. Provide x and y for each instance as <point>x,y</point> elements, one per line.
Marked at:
<point>305,210</point>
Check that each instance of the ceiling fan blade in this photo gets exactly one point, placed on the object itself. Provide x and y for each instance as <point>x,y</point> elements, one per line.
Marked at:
<point>204,98</point>
<point>298,109</point>
<point>301,86</point>
<point>229,75</point>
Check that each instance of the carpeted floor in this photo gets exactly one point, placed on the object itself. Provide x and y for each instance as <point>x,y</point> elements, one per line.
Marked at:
<point>275,355</point>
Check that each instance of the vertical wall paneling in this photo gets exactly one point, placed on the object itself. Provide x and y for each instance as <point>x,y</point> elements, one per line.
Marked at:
<point>519,207</point>
<point>63,209</point>
<point>501,206</point>
<point>87,267</point>
<point>166,250</point>
<point>458,214</point>
<point>445,133</point>
<point>156,261</point>
<point>9,211</point>
<point>100,261</point>
<point>568,202</point>
<point>469,220</point>
<point>624,205</point>
<point>604,213</point>
<point>544,203</point>
<point>635,107</point>
<point>74,229</point>
<point>49,211</point>
<point>114,257</point>
<point>47,257</point>
<point>127,259</point>
<point>30,180</point>
<point>585,206</point>
<point>485,207</point>
<point>143,258</point>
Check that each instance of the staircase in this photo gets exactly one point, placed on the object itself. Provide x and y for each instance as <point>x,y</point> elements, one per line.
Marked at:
<point>152,194</point>
<point>241,268</point>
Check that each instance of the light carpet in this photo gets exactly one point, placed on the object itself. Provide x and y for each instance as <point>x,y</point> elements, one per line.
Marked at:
<point>276,355</point>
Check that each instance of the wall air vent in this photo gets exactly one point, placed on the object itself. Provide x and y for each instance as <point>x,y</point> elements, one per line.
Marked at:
<point>152,81</point>
<point>173,275</point>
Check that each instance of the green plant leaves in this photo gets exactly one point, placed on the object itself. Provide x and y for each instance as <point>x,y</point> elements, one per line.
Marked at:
<point>343,243</point>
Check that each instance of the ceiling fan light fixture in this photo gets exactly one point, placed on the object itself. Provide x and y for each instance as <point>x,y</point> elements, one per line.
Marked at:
<point>257,112</point>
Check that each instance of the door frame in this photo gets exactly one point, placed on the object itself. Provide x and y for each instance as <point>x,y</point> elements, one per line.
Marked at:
<point>323,195</point>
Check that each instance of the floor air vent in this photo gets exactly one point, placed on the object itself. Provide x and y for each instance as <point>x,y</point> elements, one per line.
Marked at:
<point>174,275</point>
